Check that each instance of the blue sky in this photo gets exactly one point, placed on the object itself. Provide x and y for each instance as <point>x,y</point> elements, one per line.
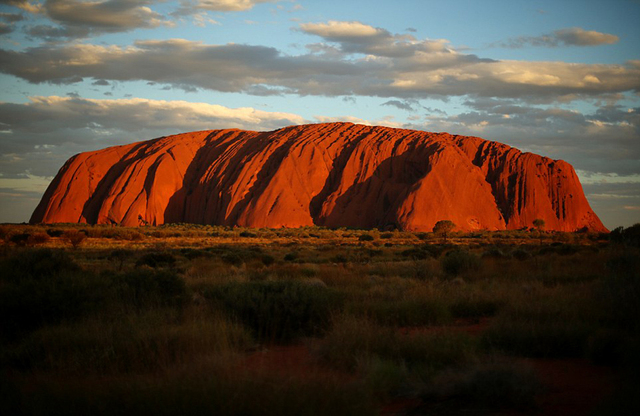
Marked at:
<point>558,78</point>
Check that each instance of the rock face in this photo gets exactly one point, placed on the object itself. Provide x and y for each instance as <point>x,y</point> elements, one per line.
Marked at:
<point>337,174</point>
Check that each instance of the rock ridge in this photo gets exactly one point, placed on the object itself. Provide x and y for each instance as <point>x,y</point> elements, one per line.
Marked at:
<point>331,174</point>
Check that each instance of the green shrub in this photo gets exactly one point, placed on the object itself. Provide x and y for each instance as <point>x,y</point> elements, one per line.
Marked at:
<point>279,310</point>
<point>459,261</point>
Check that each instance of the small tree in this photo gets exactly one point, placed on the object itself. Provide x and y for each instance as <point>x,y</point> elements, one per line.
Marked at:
<point>74,237</point>
<point>443,228</point>
<point>539,224</point>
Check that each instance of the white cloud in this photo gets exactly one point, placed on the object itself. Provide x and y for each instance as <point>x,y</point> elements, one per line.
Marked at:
<point>393,67</point>
<point>342,30</point>
<point>43,113</point>
<point>189,7</point>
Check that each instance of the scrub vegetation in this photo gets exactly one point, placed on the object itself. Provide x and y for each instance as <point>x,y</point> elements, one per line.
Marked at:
<point>189,319</point>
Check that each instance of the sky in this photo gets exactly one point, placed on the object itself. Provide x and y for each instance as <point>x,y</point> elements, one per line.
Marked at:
<point>558,78</point>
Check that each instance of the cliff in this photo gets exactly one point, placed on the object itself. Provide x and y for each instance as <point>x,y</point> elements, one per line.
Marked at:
<point>336,174</point>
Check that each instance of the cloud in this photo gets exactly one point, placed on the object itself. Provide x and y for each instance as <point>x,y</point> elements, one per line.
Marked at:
<point>23,4</point>
<point>189,7</point>
<point>5,28</point>
<point>40,135</point>
<point>393,66</point>
<point>607,140</point>
<point>402,105</point>
<point>77,19</point>
<point>574,36</point>
<point>42,114</point>
<point>11,17</point>
<point>356,37</point>
<point>343,31</point>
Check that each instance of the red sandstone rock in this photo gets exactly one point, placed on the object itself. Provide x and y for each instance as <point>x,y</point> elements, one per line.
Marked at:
<point>337,174</point>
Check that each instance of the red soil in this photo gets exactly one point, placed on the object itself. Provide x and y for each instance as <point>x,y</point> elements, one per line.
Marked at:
<point>337,174</point>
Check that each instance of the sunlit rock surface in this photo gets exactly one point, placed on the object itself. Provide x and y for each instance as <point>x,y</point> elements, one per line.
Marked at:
<point>337,174</point>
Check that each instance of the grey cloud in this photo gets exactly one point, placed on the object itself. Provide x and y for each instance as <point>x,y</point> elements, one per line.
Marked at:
<point>11,17</point>
<point>591,142</point>
<point>52,33</point>
<point>79,19</point>
<point>429,70</point>
<point>402,105</point>
<point>101,82</point>
<point>46,131</point>
<point>5,28</point>
<point>574,36</point>
<point>607,199</point>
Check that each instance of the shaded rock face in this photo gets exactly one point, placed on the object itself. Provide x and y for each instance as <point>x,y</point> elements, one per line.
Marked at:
<point>336,174</point>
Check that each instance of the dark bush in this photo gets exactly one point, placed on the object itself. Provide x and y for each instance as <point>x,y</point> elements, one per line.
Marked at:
<point>416,253</point>
<point>19,239</point>
<point>145,287</point>
<point>495,253</point>
<point>74,237</point>
<point>501,386</point>
<point>232,258</point>
<point>366,237</point>
<point>459,261</point>
<point>267,259</point>
<point>339,258</point>
<point>277,311</point>
<point>38,238</point>
<point>37,264</point>
<point>248,234</point>
<point>52,232</point>
<point>120,255</point>
<point>291,256</point>
<point>520,254</point>
<point>44,286</point>
<point>386,235</point>
<point>156,260</point>
<point>192,253</point>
